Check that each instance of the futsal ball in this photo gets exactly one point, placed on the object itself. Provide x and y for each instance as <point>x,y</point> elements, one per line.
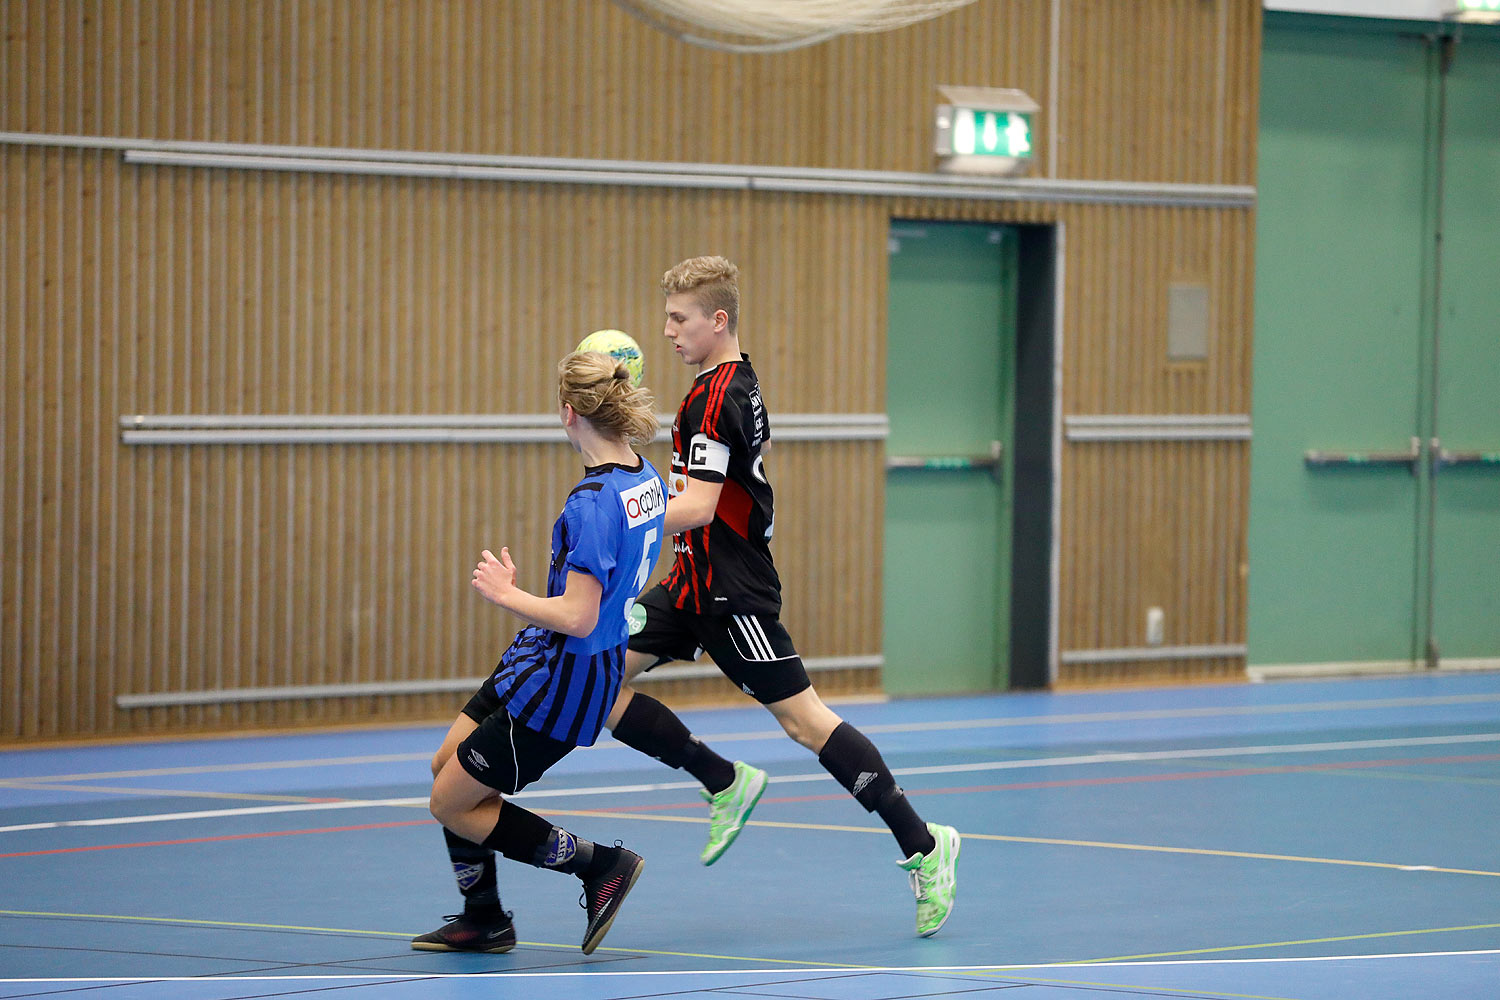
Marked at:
<point>619,345</point>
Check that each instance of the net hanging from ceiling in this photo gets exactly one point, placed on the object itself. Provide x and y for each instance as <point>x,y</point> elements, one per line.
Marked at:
<point>778,25</point>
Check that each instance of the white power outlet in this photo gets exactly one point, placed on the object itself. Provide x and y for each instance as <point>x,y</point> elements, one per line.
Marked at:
<point>1155,626</point>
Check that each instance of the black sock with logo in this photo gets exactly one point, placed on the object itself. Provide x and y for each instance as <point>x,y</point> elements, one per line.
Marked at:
<point>474,871</point>
<point>523,836</point>
<point>855,763</point>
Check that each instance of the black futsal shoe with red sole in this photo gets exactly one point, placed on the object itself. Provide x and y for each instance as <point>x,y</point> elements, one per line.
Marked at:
<point>603,895</point>
<point>464,932</point>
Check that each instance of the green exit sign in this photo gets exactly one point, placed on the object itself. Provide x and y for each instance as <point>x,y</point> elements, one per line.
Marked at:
<point>985,130</point>
<point>1477,10</point>
<point>991,133</point>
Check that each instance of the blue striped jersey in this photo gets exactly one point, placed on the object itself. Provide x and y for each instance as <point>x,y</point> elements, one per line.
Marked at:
<point>563,686</point>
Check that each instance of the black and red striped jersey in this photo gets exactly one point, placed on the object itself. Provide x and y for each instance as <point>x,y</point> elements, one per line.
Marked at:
<point>725,567</point>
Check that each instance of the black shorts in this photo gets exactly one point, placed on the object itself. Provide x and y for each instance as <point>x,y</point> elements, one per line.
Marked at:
<point>501,752</point>
<point>754,651</point>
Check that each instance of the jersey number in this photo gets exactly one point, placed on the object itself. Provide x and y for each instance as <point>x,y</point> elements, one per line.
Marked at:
<point>640,581</point>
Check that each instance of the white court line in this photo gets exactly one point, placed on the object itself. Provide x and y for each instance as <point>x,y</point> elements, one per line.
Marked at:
<point>992,765</point>
<point>1161,713</point>
<point>997,970</point>
<point>268,765</point>
<point>777,734</point>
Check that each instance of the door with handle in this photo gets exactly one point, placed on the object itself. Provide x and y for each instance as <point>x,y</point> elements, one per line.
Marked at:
<point>1465,446</point>
<point>950,374</point>
<point>1377,352</point>
<point>1333,542</point>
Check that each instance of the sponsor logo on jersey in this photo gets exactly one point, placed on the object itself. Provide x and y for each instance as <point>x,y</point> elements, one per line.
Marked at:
<point>759,410</point>
<point>635,617</point>
<point>643,502</point>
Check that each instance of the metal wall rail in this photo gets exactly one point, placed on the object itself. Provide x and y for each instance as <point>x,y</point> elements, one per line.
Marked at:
<point>561,170</point>
<point>1135,653</point>
<point>436,685</point>
<point>442,428</point>
<point>1158,427</point>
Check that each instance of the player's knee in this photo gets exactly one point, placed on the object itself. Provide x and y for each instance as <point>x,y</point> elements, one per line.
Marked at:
<point>617,711</point>
<point>440,807</point>
<point>439,759</point>
<point>806,719</point>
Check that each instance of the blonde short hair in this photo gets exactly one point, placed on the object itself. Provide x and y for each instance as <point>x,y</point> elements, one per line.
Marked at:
<point>598,387</point>
<point>713,282</point>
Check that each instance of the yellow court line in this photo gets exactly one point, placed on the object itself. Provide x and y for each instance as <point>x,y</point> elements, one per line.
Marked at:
<point>1289,944</point>
<point>1050,841</point>
<point>407,936</point>
<point>199,923</point>
<point>1015,972</point>
<point>1211,852</point>
<point>161,792</point>
<point>1152,990</point>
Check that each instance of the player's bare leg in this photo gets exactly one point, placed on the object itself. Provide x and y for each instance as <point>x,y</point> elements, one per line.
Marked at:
<point>930,849</point>
<point>731,789</point>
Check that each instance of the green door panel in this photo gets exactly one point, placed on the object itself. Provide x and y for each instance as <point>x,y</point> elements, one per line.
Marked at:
<point>950,371</point>
<point>1338,331</point>
<point>1466,506</point>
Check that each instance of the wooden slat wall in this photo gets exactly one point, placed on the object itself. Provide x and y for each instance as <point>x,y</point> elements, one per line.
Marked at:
<point>164,290</point>
<point>1154,523</point>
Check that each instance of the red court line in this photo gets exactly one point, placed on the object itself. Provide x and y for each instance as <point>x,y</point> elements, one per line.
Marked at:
<point>215,840</point>
<point>1017,786</point>
<point>1239,772</point>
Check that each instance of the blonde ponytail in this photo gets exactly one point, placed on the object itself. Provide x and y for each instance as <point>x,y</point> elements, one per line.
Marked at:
<point>599,388</point>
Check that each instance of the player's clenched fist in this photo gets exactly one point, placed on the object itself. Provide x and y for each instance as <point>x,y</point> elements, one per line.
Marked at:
<point>494,578</point>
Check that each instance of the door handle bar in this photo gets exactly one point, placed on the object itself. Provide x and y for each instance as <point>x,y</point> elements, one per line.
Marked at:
<point>951,463</point>
<point>1447,459</point>
<point>1442,458</point>
<point>1361,459</point>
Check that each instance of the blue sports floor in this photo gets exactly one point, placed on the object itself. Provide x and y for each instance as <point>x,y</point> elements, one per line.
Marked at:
<point>1309,840</point>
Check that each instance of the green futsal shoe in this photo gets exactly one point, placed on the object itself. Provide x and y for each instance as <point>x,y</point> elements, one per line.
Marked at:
<point>728,810</point>
<point>933,879</point>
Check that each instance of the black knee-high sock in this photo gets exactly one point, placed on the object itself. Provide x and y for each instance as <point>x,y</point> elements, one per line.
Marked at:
<point>855,763</point>
<point>523,836</point>
<point>652,728</point>
<point>474,870</point>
